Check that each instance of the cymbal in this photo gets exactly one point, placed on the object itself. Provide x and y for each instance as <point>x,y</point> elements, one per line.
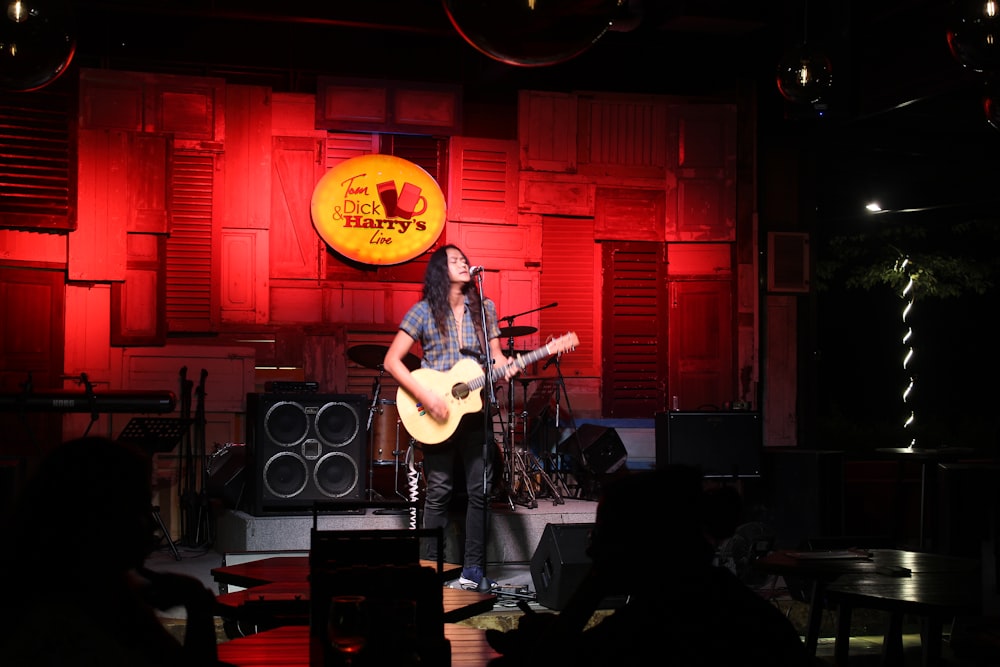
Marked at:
<point>372,356</point>
<point>516,331</point>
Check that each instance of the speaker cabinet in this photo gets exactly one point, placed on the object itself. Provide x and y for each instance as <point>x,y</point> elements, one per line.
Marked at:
<point>305,448</point>
<point>560,563</point>
<point>722,444</point>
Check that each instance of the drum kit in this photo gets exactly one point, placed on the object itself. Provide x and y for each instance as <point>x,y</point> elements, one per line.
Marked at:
<point>386,433</point>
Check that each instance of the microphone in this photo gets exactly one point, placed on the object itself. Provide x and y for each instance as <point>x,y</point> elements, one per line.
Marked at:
<point>551,361</point>
<point>476,270</point>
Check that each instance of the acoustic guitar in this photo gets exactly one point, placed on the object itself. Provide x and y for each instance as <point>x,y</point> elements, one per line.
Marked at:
<point>460,388</point>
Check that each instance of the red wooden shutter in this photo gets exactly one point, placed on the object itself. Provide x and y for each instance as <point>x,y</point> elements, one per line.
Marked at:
<point>634,329</point>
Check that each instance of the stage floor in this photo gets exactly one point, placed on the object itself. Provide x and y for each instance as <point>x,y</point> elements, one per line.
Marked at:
<point>515,530</point>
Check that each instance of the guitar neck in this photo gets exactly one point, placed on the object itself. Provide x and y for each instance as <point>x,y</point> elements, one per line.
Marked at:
<point>498,372</point>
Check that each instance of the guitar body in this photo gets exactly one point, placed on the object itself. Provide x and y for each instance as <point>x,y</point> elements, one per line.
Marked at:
<point>421,426</point>
<point>460,387</point>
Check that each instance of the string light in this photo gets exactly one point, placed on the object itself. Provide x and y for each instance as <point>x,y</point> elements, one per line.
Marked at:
<point>909,295</point>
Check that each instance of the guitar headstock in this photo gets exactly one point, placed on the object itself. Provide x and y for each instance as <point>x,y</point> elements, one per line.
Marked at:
<point>566,343</point>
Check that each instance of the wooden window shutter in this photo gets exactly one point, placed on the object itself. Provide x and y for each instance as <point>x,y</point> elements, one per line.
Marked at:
<point>37,159</point>
<point>484,181</point>
<point>344,146</point>
<point>634,329</point>
<point>189,290</point>
<point>569,279</point>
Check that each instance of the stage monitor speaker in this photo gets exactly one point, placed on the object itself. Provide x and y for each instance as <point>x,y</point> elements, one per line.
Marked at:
<point>226,474</point>
<point>722,444</point>
<point>560,563</point>
<point>599,449</point>
<point>305,449</point>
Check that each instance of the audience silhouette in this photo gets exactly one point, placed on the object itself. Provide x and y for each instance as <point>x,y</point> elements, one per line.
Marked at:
<point>76,591</point>
<point>653,544</point>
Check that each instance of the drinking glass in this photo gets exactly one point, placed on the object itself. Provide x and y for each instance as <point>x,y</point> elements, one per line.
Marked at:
<point>347,625</point>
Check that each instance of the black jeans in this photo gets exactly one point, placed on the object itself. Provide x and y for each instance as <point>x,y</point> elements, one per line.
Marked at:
<point>439,472</point>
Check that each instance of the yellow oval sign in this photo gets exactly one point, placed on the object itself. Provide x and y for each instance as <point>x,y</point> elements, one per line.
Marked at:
<point>378,209</point>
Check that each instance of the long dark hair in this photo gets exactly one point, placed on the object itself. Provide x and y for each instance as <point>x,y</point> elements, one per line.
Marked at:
<point>437,285</point>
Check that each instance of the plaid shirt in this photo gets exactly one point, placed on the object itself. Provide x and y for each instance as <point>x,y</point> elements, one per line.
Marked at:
<point>442,353</point>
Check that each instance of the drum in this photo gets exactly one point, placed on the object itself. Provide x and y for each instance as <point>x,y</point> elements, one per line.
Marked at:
<point>389,437</point>
<point>398,482</point>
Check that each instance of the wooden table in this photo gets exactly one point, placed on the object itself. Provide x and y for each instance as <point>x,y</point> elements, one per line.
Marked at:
<point>277,592</point>
<point>289,647</point>
<point>291,568</point>
<point>287,603</point>
<point>935,596</point>
<point>936,587</point>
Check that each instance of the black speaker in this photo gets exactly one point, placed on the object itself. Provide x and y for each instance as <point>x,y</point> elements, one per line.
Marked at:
<point>225,472</point>
<point>560,563</point>
<point>599,449</point>
<point>722,444</point>
<point>304,449</point>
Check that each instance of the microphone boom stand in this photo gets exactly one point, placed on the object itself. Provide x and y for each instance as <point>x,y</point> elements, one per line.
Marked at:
<point>487,430</point>
<point>556,463</point>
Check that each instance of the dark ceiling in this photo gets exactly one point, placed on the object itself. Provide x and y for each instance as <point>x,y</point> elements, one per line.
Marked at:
<point>901,105</point>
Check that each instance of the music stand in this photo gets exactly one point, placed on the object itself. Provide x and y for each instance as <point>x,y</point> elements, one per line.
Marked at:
<point>156,435</point>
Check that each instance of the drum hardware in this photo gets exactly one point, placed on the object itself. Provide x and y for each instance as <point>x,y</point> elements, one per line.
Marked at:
<point>522,469</point>
<point>373,356</point>
<point>512,332</point>
<point>527,470</point>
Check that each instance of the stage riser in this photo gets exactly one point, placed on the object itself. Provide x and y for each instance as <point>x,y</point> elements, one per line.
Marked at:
<point>514,535</point>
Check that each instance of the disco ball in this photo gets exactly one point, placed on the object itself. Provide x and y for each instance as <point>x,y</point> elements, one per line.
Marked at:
<point>37,42</point>
<point>532,34</point>
<point>974,35</point>
<point>805,75</point>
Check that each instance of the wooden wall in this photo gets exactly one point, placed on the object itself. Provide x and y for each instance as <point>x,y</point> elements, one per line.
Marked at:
<point>194,246</point>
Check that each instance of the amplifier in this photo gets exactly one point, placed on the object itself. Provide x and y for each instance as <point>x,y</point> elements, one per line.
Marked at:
<point>722,444</point>
<point>284,387</point>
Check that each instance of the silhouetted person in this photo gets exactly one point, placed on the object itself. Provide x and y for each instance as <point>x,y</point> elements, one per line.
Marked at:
<point>653,543</point>
<point>75,590</point>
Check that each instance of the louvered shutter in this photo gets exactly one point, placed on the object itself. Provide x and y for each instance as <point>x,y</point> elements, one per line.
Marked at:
<point>484,181</point>
<point>36,186</point>
<point>569,279</point>
<point>634,329</point>
<point>189,246</point>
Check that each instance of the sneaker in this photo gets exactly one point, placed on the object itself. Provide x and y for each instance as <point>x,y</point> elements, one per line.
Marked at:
<point>472,576</point>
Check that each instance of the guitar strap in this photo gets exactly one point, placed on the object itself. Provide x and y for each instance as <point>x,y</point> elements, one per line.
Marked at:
<point>479,331</point>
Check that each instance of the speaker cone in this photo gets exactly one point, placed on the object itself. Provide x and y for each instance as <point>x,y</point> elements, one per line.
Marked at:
<point>336,475</point>
<point>337,424</point>
<point>286,423</point>
<point>285,474</point>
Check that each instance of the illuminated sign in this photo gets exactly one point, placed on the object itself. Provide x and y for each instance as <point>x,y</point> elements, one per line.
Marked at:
<point>378,209</point>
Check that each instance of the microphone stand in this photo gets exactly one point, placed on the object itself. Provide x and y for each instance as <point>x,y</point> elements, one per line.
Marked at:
<point>558,462</point>
<point>484,586</point>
